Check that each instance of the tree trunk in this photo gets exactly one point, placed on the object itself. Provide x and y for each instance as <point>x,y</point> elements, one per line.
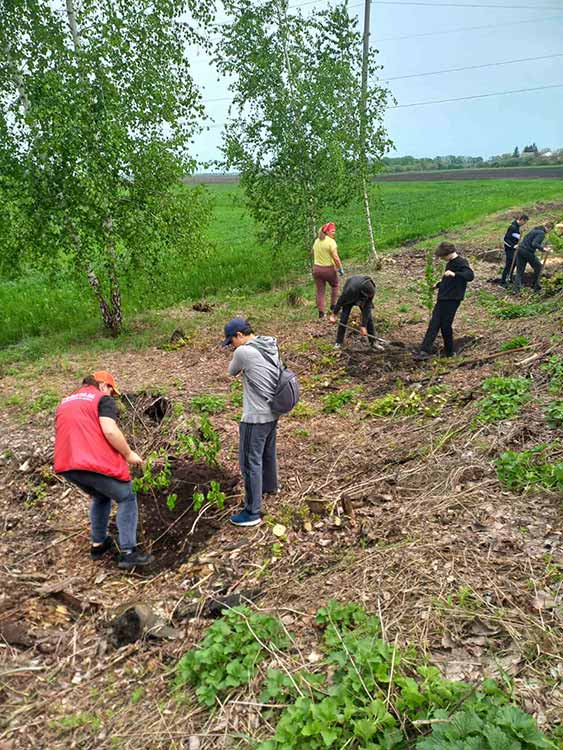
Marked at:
<point>71,15</point>
<point>369,224</point>
<point>111,311</point>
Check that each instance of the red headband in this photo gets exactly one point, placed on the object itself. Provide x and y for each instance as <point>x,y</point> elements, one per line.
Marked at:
<point>328,227</point>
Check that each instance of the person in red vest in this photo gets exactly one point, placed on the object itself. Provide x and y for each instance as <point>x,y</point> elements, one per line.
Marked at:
<point>92,453</point>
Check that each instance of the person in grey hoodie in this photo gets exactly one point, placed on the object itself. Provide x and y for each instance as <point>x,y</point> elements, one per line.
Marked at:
<point>258,359</point>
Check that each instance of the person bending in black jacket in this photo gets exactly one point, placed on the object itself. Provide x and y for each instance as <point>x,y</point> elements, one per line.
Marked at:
<point>533,241</point>
<point>358,290</point>
<point>451,291</point>
<point>511,240</point>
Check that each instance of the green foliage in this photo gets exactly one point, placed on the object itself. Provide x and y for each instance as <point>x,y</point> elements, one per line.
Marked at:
<point>427,287</point>
<point>202,443</point>
<point>214,496</point>
<point>405,402</point>
<point>495,728</point>
<point>554,413</point>
<point>334,402</point>
<point>516,343</point>
<point>345,702</point>
<point>303,410</point>
<point>229,654</point>
<point>236,394</point>
<point>208,404</point>
<point>47,401</point>
<point>512,310</point>
<point>280,73</point>
<point>504,399</point>
<point>171,501</point>
<point>77,721</point>
<point>529,469</point>
<point>157,473</point>
<point>554,369</point>
<point>553,284</point>
<point>98,108</point>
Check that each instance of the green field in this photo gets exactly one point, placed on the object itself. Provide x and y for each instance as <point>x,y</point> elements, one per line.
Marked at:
<point>40,314</point>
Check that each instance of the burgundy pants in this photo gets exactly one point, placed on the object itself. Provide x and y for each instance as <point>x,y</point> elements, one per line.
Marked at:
<point>324,275</point>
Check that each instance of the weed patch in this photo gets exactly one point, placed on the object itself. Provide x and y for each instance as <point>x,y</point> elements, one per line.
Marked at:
<point>516,343</point>
<point>554,369</point>
<point>505,398</point>
<point>230,652</point>
<point>208,404</point>
<point>554,413</point>
<point>364,694</point>
<point>530,469</point>
<point>335,402</point>
<point>404,403</point>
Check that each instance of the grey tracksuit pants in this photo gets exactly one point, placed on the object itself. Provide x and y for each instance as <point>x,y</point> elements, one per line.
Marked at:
<point>258,462</point>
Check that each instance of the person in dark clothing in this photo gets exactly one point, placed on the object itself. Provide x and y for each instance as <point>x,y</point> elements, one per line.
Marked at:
<point>358,290</point>
<point>451,291</point>
<point>533,241</point>
<point>511,240</point>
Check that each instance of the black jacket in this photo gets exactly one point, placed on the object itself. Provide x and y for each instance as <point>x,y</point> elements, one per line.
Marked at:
<point>453,287</point>
<point>358,290</point>
<point>512,236</point>
<point>533,240</point>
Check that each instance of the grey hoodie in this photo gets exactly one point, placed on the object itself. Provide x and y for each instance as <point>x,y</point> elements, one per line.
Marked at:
<point>259,378</point>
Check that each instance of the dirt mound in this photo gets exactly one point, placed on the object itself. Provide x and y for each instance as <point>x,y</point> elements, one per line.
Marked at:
<point>173,534</point>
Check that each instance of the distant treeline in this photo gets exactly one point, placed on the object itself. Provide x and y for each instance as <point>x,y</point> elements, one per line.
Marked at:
<point>412,164</point>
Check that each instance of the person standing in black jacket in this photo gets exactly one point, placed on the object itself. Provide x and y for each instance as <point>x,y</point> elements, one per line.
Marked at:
<point>451,291</point>
<point>511,240</point>
<point>533,241</point>
<point>358,290</point>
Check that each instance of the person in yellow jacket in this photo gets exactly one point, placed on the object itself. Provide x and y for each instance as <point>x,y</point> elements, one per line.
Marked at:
<point>326,266</point>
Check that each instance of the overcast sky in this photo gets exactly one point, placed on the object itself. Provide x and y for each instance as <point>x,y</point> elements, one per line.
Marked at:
<point>480,127</point>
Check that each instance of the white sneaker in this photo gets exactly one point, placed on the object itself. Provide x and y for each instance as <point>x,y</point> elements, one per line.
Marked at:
<point>338,346</point>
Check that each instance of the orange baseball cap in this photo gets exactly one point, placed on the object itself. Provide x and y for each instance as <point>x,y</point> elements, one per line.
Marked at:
<point>106,377</point>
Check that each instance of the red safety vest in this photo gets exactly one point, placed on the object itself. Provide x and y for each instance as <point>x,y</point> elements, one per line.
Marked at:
<point>80,443</point>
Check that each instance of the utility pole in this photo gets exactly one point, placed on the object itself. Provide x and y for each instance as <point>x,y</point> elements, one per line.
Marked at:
<point>363,125</point>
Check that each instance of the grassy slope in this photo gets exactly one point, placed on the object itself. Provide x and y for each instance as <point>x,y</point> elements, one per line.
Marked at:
<point>42,317</point>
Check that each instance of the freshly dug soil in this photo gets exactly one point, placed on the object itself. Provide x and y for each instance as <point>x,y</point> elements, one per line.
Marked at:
<point>172,535</point>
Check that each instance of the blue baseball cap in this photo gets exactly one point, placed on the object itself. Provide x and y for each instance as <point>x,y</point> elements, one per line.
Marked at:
<point>234,326</point>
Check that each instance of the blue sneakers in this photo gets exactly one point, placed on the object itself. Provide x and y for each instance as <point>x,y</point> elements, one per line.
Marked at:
<point>244,518</point>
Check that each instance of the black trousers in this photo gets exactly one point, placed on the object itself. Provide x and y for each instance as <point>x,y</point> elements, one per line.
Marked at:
<point>525,257</point>
<point>442,319</point>
<point>344,315</point>
<point>509,257</point>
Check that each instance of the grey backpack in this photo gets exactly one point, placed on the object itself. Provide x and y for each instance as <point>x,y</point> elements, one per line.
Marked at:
<point>287,391</point>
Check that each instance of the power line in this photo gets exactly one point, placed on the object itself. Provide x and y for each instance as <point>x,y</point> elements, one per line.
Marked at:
<point>425,4</point>
<point>474,67</point>
<point>444,101</point>
<point>477,96</point>
<point>434,72</point>
<point>441,4</point>
<point>466,28</point>
<point>467,5</point>
<point>378,40</point>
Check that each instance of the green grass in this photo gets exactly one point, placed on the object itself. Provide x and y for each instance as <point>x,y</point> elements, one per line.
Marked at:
<point>43,315</point>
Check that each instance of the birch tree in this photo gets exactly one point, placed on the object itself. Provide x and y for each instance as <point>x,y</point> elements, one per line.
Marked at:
<point>97,109</point>
<point>294,130</point>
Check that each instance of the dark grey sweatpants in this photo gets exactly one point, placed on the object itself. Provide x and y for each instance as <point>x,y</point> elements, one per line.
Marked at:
<point>258,462</point>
